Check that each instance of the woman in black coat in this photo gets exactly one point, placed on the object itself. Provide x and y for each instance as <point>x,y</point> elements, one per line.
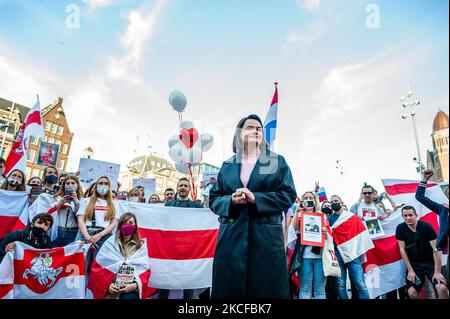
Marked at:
<point>253,190</point>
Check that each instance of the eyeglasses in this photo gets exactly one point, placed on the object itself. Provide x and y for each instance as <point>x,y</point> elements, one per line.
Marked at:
<point>367,193</point>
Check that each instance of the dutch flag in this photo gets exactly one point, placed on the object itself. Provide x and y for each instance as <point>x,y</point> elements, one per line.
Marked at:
<point>270,123</point>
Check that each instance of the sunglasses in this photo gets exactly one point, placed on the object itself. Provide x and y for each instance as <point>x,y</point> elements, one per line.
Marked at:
<point>367,193</point>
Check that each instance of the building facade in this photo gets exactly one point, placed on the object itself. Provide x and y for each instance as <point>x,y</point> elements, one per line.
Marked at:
<point>56,132</point>
<point>438,158</point>
<point>165,174</point>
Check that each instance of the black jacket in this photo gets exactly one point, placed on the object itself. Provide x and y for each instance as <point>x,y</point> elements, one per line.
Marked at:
<point>250,259</point>
<point>439,209</point>
<point>25,237</point>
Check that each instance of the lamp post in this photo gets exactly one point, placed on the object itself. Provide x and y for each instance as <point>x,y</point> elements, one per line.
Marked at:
<point>409,105</point>
<point>6,125</point>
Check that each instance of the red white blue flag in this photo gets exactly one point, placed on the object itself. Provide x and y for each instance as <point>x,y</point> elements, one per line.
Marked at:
<point>270,123</point>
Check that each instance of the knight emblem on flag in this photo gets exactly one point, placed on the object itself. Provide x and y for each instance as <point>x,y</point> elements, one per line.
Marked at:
<point>42,271</point>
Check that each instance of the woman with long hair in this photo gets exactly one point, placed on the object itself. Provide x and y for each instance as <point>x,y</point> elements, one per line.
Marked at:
<point>67,206</point>
<point>97,216</point>
<point>15,181</point>
<point>252,191</point>
<point>125,253</point>
<point>309,258</point>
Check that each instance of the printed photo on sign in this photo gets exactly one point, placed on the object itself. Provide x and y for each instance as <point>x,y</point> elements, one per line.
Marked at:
<point>374,227</point>
<point>311,229</point>
<point>48,154</point>
<point>368,213</point>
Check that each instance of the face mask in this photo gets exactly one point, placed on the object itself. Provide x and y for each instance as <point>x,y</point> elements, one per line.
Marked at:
<point>326,210</point>
<point>336,207</point>
<point>102,190</point>
<point>71,188</point>
<point>14,182</point>
<point>127,229</point>
<point>134,199</point>
<point>2,170</point>
<point>37,232</point>
<point>308,203</point>
<point>51,179</point>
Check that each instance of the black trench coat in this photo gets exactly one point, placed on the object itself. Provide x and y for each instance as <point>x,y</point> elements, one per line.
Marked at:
<point>250,258</point>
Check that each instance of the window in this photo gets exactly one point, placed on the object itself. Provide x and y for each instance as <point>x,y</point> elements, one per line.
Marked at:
<point>60,130</point>
<point>34,141</point>
<point>61,165</point>
<point>30,155</point>
<point>65,148</point>
<point>58,142</point>
<point>53,128</point>
<point>51,140</point>
<point>47,126</point>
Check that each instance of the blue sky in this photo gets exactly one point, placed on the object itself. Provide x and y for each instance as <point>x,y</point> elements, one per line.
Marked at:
<point>340,82</point>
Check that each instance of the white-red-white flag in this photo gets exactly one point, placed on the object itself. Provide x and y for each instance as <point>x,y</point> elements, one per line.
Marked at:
<point>17,158</point>
<point>351,236</point>
<point>13,211</point>
<point>31,273</point>
<point>384,269</point>
<point>107,263</point>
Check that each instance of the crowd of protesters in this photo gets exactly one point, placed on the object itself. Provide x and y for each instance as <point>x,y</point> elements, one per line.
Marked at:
<point>256,213</point>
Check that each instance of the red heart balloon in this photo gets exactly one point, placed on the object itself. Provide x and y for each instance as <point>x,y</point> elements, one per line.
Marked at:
<point>188,137</point>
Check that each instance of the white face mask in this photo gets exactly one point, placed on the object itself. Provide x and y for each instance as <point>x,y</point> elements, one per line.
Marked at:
<point>14,182</point>
<point>102,190</point>
<point>134,199</point>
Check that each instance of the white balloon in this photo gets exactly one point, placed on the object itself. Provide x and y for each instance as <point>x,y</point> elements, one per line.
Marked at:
<point>182,167</point>
<point>178,101</point>
<point>173,140</point>
<point>176,152</point>
<point>193,155</point>
<point>187,125</point>
<point>206,142</point>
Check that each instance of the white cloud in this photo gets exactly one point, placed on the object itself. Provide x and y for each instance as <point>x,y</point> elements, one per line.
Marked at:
<point>305,35</point>
<point>309,5</point>
<point>93,5</point>
<point>141,27</point>
<point>21,80</point>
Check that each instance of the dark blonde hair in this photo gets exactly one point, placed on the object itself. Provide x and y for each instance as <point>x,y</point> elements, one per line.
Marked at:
<point>19,188</point>
<point>91,205</point>
<point>63,186</point>
<point>124,218</point>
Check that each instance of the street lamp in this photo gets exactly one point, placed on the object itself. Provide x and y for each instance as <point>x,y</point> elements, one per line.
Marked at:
<point>409,105</point>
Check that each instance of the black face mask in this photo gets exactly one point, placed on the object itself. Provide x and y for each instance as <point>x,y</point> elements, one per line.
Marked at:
<point>308,203</point>
<point>326,210</point>
<point>37,232</point>
<point>336,207</point>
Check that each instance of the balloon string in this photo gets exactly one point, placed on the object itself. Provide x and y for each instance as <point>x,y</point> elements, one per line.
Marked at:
<point>194,190</point>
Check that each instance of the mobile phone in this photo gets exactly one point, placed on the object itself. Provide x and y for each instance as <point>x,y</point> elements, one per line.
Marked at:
<point>68,192</point>
<point>417,281</point>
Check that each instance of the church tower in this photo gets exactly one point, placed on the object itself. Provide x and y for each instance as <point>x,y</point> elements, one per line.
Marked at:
<point>440,146</point>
